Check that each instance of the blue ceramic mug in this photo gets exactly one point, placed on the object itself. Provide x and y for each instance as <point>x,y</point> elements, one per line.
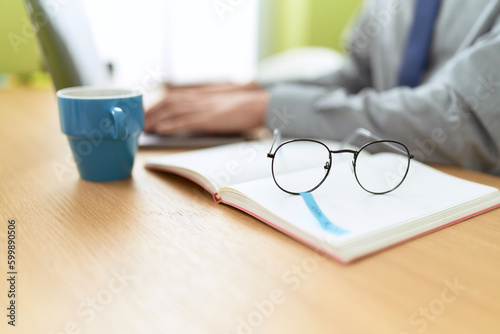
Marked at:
<point>102,125</point>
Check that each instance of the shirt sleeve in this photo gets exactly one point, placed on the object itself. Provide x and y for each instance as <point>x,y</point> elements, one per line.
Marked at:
<point>454,118</point>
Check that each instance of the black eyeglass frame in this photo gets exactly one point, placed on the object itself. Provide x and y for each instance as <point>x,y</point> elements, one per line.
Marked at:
<point>329,163</point>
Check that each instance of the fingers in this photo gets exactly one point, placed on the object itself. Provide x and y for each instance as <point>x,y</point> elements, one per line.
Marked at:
<point>170,107</point>
<point>154,114</point>
<point>224,87</point>
<point>213,113</point>
<point>192,122</point>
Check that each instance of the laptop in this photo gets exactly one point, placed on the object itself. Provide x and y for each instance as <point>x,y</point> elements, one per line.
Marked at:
<point>72,59</point>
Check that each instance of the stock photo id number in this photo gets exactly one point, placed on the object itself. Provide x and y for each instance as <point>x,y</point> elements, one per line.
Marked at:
<point>11,273</point>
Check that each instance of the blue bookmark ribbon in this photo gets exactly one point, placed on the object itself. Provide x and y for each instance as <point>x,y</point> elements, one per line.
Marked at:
<point>325,223</point>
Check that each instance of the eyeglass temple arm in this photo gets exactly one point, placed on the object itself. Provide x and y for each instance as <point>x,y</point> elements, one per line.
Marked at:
<point>356,134</point>
<point>276,138</point>
<point>368,134</point>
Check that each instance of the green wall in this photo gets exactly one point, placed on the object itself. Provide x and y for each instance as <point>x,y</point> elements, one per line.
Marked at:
<point>19,51</point>
<point>329,19</point>
<point>295,23</point>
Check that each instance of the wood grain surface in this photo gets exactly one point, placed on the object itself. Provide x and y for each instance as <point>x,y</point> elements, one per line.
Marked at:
<point>155,254</point>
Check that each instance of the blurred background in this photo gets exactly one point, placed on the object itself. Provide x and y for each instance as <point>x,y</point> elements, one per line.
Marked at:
<point>189,41</point>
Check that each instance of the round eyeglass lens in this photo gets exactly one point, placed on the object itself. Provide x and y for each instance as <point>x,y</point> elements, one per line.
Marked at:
<point>301,165</point>
<point>379,172</point>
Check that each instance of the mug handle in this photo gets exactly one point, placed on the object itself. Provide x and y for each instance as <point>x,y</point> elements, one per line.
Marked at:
<point>120,122</point>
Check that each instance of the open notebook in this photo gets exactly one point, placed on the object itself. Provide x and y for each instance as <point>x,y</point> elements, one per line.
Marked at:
<point>240,175</point>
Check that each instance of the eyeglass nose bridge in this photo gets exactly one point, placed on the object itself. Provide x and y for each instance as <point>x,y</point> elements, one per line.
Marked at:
<point>353,164</point>
<point>345,151</point>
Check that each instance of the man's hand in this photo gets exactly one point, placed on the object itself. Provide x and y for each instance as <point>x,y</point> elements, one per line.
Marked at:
<point>214,109</point>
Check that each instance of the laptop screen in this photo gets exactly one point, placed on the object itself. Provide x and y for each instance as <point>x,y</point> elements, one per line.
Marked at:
<point>67,44</point>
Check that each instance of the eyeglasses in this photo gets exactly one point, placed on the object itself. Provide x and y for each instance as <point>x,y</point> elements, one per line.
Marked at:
<point>302,165</point>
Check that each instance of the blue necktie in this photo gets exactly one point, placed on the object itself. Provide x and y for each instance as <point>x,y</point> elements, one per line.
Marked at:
<point>419,43</point>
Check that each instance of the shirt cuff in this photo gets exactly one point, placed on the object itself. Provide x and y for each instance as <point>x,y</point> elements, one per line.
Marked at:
<point>291,107</point>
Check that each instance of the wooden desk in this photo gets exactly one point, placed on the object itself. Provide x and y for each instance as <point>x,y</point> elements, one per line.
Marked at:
<point>155,254</point>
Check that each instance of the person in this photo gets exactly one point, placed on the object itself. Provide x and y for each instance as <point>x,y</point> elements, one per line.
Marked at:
<point>449,113</point>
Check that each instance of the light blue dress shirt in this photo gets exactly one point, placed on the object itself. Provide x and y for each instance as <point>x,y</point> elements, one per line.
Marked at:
<point>453,117</point>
